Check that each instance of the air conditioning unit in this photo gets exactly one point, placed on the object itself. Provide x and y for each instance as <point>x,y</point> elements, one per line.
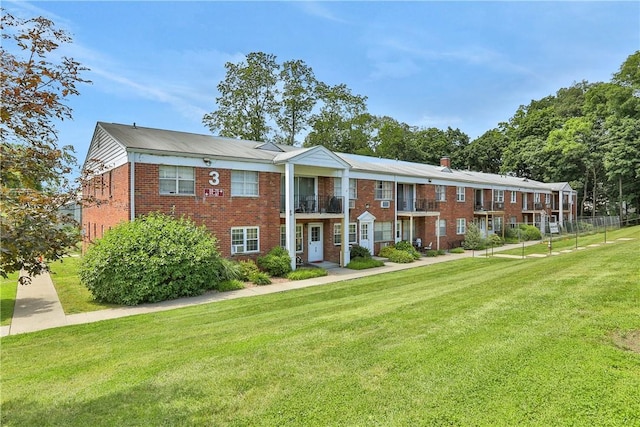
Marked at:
<point>352,203</point>
<point>385,204</point>
<point>237,249</point>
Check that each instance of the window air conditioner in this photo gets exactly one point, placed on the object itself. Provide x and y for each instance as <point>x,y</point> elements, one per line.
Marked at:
<point>385,204</point>
<point>237,249</point>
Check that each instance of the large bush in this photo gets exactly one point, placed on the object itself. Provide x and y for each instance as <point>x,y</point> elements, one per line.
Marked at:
<point>530,232</point>
<point>153,258</point>
<point>277,262</point>
<point>357,251</point>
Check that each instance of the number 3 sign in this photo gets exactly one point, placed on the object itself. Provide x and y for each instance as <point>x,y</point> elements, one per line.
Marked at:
<point>215,178</point>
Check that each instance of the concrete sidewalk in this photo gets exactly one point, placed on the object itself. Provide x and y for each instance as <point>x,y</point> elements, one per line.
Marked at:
<point>37,305</point>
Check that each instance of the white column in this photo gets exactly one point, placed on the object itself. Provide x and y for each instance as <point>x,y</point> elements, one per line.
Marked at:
<point>560,208</point>
<point>346,253</point>
<point>290,216</point>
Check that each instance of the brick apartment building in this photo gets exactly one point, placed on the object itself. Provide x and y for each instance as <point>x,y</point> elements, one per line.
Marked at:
<point>254,196</point>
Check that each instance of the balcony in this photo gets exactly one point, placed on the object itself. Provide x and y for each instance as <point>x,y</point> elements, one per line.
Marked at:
<point>489,207</point>
<point>315,204</point>
<point>417,207</point>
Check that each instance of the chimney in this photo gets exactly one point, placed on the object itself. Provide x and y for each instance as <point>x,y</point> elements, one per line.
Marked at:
<point>445,162</point>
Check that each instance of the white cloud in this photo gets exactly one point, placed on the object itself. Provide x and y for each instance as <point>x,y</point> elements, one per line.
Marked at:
<point>319,10</point>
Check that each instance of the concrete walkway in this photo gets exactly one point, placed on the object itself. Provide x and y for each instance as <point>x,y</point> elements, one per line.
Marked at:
<point>37,305</point>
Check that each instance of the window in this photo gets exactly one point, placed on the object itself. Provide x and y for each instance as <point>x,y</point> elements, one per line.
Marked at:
<point>383,231</point>
<point>384,190</point>
<point>514,197</point>
<point>244,183</point>
<point>337,188</point>
<point>337,233</point>
<point>512,222</point>
<point>536,197</point>
<point>547,199</point>
<point>441,193</point>
<point>461,225</point>
<point>283,237</point>
<point>497,223</point>
<point>441,227</point>
<point>498,196</point>
<point>177,180</point>
<point>460,194</point>
<point>244,240</point>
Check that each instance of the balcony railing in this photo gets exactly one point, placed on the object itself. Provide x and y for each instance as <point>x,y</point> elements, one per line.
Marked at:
<point>488,206</point>
<point>417,205</point>
<point>313,203</point>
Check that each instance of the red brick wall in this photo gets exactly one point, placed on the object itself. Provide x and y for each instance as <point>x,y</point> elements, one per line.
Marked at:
<point>106,203</point>
<point>218,214</point>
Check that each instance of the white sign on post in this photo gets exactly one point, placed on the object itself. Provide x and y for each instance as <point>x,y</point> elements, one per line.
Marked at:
<point>553,228</point>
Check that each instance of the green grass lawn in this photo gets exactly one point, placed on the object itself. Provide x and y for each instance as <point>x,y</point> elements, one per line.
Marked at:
<point>568,242</point>
<point>8,289</point>
<point>74,297</point>
<point>483,342</point>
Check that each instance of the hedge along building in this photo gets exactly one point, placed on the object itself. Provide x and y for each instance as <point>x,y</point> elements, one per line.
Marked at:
<point>254,196</point>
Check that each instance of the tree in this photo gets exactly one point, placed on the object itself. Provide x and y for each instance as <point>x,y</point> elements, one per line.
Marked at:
<point>34,181</point>
<point>342,124</point>
<point>396,140</point>
<point>298,99</point>
<point>248,99</point>
<point>484,154</point>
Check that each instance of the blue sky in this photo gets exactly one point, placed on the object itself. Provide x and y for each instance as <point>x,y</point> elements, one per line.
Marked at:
<point>468,65</point>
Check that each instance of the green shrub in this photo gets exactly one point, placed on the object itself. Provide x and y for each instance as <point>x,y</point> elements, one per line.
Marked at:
<point>457,251</point>
<point>494,240</point>
<point>364,263</point>
<point>408,248</point>
<point>359,252</point>
<point>260,278</point>
<point>247,269</point>
<point>431,253</point>
<point>530,232</point>
<point>276,262</point>
<point>386,251</point>
<point>154,258</point>
<point>230,285</point>
<point>473,237</point>
<point>229,270</point>
<point>442,252</point>
<point>402,257</point>
<point>306,273</point>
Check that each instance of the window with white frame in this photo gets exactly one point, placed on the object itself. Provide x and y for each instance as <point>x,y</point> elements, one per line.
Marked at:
<point>384,190</point>
<point>244,183</point>
<point>547,199</point>
<point>461,225</point>
<point>441,193</point>
<point>514,197</point>
<point>177,180</point>
<point>383,231</point>
<point>498,196</point>
<point>283,237</point>
<point>512,222</point>
<point>497,223</point>
<point>536,197</point>
<point>245,240</point>
<point>337,188</point>
<point>460,194</point>
<point>337,233</point>
<point>441,227</point>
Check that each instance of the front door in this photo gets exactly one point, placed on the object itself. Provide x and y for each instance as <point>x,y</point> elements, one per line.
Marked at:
<point>366,235</point>
<point>316,252</point>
